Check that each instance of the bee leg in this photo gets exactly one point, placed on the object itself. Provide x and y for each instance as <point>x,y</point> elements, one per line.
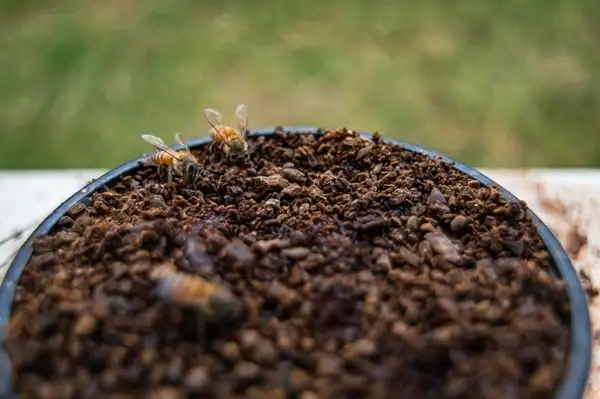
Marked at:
<point>201,326</point>
<point>193,178</point>
<point>169,176</point>
<point>197,177</point>
<point>184,180</point>
<point>249,273</point>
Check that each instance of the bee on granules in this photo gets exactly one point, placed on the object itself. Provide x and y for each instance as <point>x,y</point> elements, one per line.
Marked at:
<point>348,136</point>
<point>181,163</point>
<point>232,141</point>
<point>214,301</point>
<point>340,132</point>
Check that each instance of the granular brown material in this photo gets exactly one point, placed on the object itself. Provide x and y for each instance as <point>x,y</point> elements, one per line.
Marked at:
<point>364,270</point>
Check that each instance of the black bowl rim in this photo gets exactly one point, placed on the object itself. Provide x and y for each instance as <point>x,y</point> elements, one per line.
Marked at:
<point>574,381</point>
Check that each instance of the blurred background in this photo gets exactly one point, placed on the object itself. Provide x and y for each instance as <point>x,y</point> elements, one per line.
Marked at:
<point>491,83</point>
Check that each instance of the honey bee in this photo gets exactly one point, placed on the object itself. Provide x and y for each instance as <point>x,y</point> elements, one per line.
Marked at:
<point>181,163</point>
<point>214,301</point>
<point>232,141</point>
<point>346,135</point>
<point>337,132</point>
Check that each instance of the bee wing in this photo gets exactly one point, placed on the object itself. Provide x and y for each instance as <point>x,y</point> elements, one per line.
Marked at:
<point>159,144</point>
<point>241,114</point>
<point>181,141</point>
<point>213,117</point>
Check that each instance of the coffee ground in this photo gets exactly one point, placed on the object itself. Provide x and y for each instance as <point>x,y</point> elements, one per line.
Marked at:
<point>362,270</point>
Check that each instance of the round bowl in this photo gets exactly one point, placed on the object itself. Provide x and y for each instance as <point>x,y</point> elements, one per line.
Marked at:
<point>573,383</point>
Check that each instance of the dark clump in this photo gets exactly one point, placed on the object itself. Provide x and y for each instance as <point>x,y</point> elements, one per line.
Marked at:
<point>590,289</point>
<point>364,271</point>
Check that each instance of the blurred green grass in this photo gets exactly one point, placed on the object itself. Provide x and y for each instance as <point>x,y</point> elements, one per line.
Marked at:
<point>503,84</point>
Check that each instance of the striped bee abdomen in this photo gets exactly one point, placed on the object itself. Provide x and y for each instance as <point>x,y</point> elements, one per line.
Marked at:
<point>185,290</point>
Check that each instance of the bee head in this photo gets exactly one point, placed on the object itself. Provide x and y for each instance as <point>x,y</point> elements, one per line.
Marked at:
<point>192,169</point>
<point>188,166</point>
<point>238,146</point>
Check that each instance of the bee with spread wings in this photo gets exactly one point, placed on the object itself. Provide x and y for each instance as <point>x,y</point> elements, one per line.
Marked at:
<point>233,141</point>
<point>214,303</point>
<point>213,300</point>
<point>181,162</point>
